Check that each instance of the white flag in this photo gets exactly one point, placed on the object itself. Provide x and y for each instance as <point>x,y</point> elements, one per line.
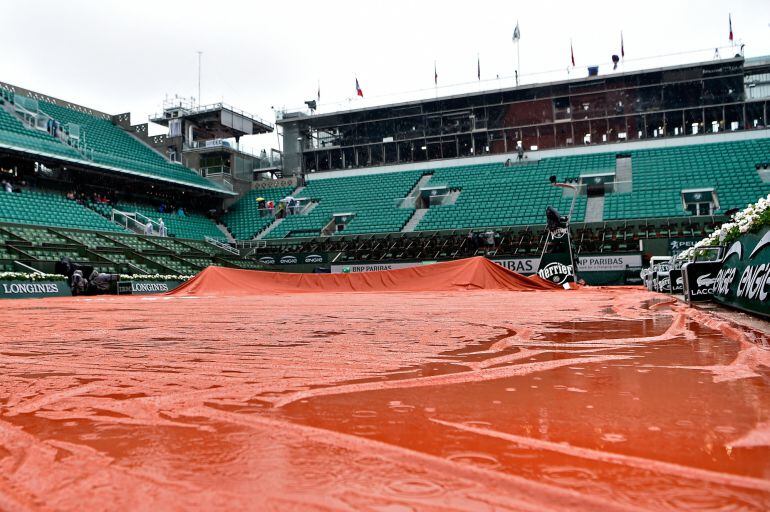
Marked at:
<point>516,33</point>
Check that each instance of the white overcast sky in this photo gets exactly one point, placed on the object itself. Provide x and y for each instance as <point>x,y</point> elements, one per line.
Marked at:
<point>120,56</point>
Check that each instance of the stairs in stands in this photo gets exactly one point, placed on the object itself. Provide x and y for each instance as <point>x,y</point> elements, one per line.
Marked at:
<point>414,220</point>
<point>229,237</point>
<point>268,229</point>
<point>623,174</point>
<point>595,209</point>
<point>411,197</point>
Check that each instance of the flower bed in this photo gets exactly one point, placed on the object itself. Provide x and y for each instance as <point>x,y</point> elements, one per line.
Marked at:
<point>154,277</point>
<point>30,276</point>
<point>749,220</point>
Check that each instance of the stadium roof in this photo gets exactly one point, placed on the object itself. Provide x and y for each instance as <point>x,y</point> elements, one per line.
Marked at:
<point>292,117</point>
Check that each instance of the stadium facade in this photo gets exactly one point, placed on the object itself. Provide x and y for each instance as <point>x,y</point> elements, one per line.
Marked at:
<point>711,97</point>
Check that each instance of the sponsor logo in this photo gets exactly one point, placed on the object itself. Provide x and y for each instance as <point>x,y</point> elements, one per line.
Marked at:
<point>522,266</point>
<point>369,268</point>
<point>724,279</point>
<point>556,272</point>
<point>679,282</point>
<point>752,284</point>
<point>267,260</point>
<point>314,258</point>
<point>706,281</point>
<point>138,287</point>
<point>287,260</point>
<point>30,288</point>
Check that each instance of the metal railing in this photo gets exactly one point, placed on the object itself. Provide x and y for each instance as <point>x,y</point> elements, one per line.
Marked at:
<point>222,245</point>
<point>189,110</point>
<point>131,220</point>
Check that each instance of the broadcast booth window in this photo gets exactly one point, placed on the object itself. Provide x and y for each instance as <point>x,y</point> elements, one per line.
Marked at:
<point>700,202</point>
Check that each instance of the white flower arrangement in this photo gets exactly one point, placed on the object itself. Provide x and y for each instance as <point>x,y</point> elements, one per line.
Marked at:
<point>30,276</point>
<point>153,277</point>
<point>749,220</point>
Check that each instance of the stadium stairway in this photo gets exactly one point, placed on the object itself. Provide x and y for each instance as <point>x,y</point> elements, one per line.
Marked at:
<point>262,234</point>
<point>594,209</point>
<point>414,220</point>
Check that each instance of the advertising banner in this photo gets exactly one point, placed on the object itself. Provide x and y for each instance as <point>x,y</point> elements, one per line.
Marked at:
<point>294,259</point>
<point>676,281</point>
<point>32,289</point>
<point>557,268</point>
<point>608,262</point>
<point>374,267</point>
<point>152,287</point>
<point>526,266</point>
<point>677,245</point>
<point>742,281</point>
<point>698,279</point>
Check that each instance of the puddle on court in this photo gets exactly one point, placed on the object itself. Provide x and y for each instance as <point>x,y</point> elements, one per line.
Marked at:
<point>650,428</point>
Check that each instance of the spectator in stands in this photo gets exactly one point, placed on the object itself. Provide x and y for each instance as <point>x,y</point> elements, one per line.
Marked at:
<point>7,186</point>
<point>180,212</point>
<point>261,205</point>
<point>148,228</point>
<point>520,152</point>
<point>473,240</point>
<point>508,163</point>
<point>271,207</point>
<point>71,195</point>
<point>161,227</point>
<point>162,208</point>
<point>280,212</point>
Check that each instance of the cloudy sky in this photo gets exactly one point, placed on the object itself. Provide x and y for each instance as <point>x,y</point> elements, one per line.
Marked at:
<point>127,56</point>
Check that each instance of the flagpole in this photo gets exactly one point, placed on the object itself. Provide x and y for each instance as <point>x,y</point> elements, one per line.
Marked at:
<point>517,41</point>
<point>435,79</point>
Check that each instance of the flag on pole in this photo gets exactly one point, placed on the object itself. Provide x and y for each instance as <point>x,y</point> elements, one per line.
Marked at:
<point>478,66</point>
<point>730,21</point>
<point>358,89</point>
<point>571,53</point>
<point>622,48</point>
<point>516,33</point>
<point>435,74</point>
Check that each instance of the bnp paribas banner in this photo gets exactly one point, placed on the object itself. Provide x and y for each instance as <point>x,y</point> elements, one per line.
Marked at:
<point>742,282</point>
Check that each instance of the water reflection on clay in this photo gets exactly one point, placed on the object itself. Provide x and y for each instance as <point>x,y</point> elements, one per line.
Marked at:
<point>598,399</point>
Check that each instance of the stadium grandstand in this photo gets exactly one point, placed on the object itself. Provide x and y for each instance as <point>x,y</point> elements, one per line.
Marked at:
<point>651,156</point>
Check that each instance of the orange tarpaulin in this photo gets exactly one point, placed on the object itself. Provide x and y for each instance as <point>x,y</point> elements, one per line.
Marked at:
<point>468,274</point>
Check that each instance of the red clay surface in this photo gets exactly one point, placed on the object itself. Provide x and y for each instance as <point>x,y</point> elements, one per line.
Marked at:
<point>596,399</point>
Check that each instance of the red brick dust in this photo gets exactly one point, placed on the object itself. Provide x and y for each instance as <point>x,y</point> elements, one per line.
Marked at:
<point>596,399</point>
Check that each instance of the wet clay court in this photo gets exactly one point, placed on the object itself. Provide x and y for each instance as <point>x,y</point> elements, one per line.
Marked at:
<point>591,399</point>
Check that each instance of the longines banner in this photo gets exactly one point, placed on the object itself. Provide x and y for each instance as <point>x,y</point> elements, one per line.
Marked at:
<point>152,287</point>
<point>742,282</point>
<point>32,289</point>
